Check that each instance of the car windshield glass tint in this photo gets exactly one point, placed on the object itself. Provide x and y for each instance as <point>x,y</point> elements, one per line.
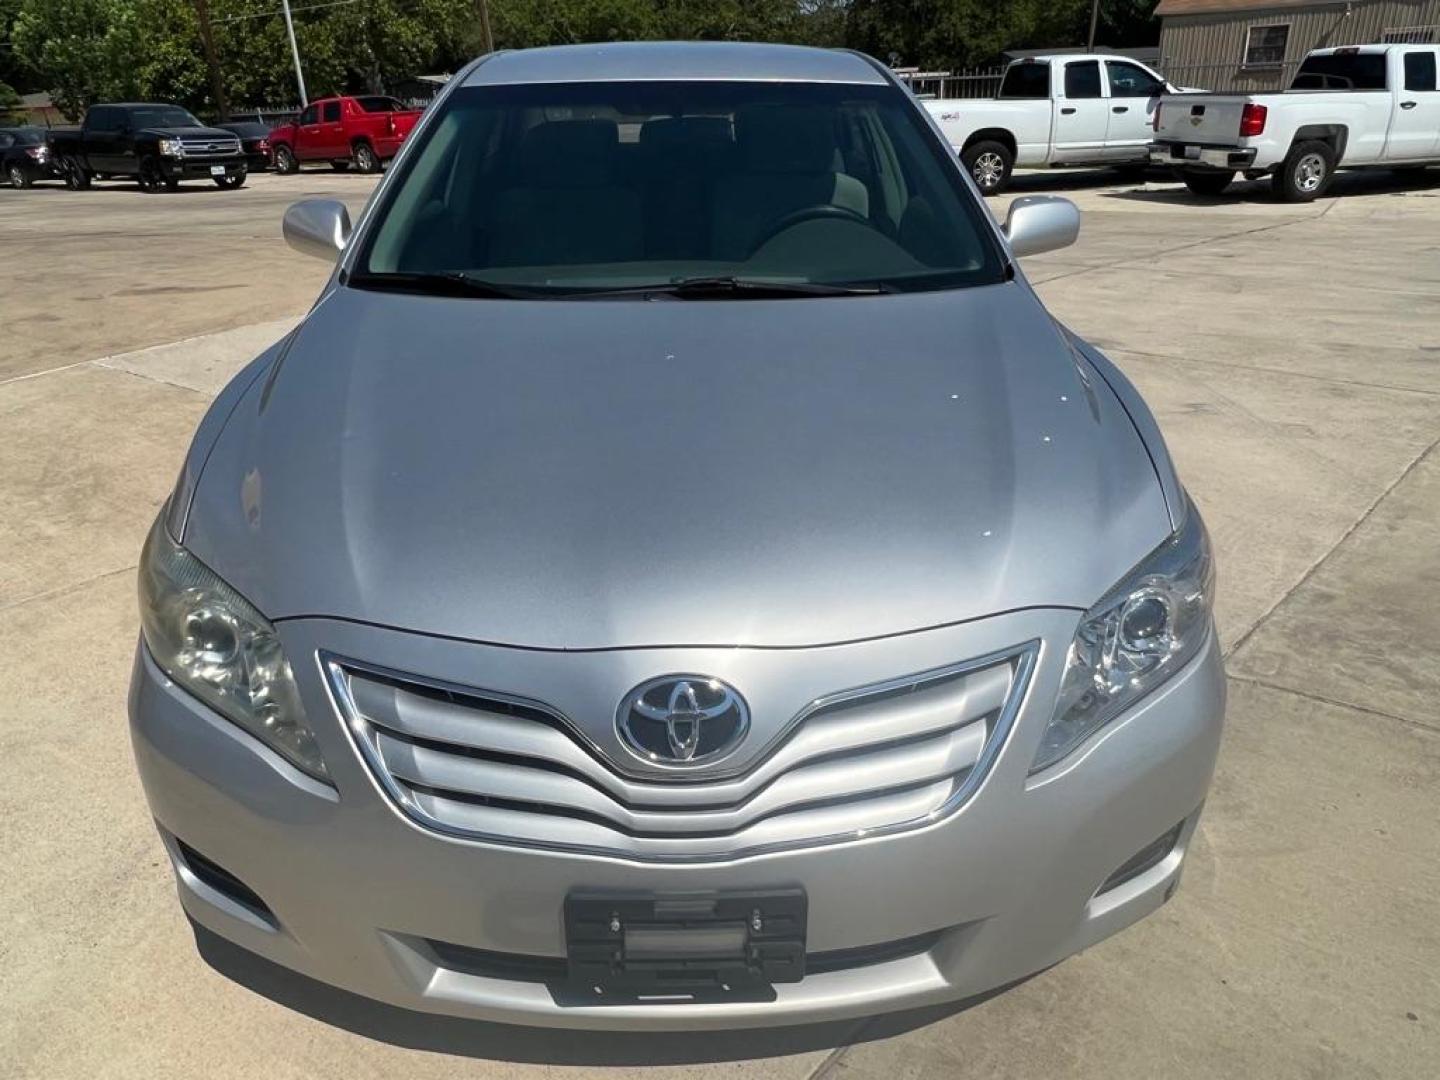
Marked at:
<point>161,116</point>
<point>574,187</point>
<point>1342,71</point>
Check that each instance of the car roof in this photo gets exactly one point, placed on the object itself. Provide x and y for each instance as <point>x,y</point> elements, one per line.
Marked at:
<point>1076,56</point>
<point>1350,50</point>
<point>684,61</point>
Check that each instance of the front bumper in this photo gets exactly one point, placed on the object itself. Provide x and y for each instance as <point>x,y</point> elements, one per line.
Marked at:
<point>1193,156</point>
<point>195,168</point>
<point>1006,886</point>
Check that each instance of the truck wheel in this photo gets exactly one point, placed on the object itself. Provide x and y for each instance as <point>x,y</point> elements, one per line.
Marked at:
<point>365,158</point>
<point>231,182</point>
<point>989,164</point>
<point>285,162</point>
<point>76,178</point>
<point>152,178</point>
<point>1204,182</point>
<point>18,177</point>
<point>1305,173</point>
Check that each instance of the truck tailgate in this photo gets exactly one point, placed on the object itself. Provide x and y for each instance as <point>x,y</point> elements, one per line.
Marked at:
<point>1205,119</point>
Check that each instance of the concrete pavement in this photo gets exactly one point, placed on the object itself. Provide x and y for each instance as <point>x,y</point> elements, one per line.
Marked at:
<point>1292,356</point>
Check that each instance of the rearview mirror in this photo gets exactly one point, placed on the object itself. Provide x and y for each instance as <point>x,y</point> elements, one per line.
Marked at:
<point>318,227</point>
<point>1037,223</point>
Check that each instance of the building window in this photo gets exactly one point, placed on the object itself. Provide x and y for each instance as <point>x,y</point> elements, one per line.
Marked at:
<point>1265,45</point>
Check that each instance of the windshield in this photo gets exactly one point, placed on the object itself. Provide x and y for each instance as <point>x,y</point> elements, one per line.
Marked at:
<point>161,116</point>
<point>574,187</point>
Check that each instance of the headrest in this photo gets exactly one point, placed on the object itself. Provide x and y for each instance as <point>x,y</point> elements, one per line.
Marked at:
<point>786,138</point>
<point>569,153</point>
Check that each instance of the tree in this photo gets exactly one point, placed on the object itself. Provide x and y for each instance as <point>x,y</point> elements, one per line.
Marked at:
<point>10,104</point>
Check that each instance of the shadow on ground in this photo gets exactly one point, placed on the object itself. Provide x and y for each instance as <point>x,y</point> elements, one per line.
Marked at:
<point>1425,184</point>
<point>504,1042</point>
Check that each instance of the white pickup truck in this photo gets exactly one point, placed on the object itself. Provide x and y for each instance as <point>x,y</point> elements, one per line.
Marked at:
<point>1357,106</point>
<point>1066,109</point>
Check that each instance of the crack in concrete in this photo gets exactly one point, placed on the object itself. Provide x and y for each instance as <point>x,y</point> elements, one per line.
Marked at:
<point>1189,246</point>
<point>1310,572</point>
<point>1325,699</point>
<point>61,590</point>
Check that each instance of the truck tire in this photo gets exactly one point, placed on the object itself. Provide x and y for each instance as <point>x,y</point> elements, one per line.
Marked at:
<point>76,178</point>
<point>231,182</point>
<point>285,162</point>
<point>365,158</point>
<point>17,176</point>
<point>1305,173</point>
<point>152,178</point>
<point>1205,182</point>
<point>989,164</point>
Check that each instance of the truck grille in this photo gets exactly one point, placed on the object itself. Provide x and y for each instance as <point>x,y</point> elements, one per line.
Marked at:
<point>877,759</point>
<point>201,147</point>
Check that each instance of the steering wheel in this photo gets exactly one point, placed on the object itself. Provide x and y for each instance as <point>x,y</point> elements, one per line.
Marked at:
<point>809,213</point>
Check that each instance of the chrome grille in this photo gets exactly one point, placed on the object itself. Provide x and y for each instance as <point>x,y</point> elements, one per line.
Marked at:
<point>210,146</point>
<point>880,758</point>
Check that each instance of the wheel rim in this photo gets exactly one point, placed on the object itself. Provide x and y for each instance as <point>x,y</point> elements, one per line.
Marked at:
<point>988,169</point>
<point>149,181</point>
<point>1310,172</point>
<point>365,158</point>
<point>17,178</point>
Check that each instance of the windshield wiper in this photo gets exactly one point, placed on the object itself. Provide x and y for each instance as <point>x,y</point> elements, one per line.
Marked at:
<point>444,283</point>
<point>729,287</point>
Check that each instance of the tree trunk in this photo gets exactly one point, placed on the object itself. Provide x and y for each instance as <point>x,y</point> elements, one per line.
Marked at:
<point>212,61</point>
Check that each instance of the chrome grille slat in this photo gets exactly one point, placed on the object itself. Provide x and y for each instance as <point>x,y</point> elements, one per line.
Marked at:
<point>881,758</point>
<point>836,728</point>
<point>806,826</point>
<point>902,765</point>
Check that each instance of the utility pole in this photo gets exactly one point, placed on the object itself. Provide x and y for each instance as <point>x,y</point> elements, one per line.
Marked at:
<point>295,52</point>
<point>487,39</point>
<point>1094,18</point>
<point>212,61</point>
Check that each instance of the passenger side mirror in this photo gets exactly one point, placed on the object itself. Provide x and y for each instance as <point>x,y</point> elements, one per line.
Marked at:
<point>318,227</point>
<point>1037,223</point>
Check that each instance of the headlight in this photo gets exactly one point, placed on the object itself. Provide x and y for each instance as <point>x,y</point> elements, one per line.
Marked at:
<point>172,148</point>
<point>1143,631</point>
<point>213,643</point>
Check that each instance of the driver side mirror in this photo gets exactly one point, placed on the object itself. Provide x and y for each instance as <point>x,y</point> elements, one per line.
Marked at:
<point>1036,223</point>
<point>318,227</point>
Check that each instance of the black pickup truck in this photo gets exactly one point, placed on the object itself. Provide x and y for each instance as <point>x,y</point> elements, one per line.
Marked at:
<point>158,145</point>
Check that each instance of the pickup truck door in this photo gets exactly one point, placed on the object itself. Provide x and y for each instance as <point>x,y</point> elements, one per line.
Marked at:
<point>101,137</point>
<point>1081,113</point>
<point>307,135</point>
<point>1415,110</point>
<point>332,130</point>
<point>1134,93</point>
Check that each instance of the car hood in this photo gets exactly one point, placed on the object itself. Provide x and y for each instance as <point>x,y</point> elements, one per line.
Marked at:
<point>188,133</point>
<point>609,473</point>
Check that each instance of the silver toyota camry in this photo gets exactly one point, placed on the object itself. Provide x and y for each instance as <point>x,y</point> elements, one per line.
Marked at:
<point>677,575</point>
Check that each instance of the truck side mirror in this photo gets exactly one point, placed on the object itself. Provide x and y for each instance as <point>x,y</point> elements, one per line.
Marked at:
<point>318,227</point>
<point>1036,223</point>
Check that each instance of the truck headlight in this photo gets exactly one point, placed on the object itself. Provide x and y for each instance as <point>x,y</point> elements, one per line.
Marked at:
<point>214,644</point>
<point>172,148</point>
<point>1140,633</point>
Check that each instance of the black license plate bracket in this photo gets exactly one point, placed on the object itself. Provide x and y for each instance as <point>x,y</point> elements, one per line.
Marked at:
<point>681,947</point>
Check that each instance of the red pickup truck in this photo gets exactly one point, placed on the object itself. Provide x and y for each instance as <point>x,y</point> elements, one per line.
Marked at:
<point>360,131</point>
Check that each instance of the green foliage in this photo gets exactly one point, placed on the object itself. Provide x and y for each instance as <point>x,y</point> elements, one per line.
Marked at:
<point>9,103</point>
<point>88,50</point>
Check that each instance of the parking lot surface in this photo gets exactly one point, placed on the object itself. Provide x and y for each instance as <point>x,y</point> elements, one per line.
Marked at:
<point>1292,357</point>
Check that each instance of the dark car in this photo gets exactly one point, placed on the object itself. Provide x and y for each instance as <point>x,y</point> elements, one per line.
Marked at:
<point>254,142</point>
<point>24,156</point>
<point>156,143</point>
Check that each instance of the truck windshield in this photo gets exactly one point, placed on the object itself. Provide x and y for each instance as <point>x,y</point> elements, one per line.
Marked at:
<point>1341,71</point>
<point>565,188</point>
<point>161,116</point>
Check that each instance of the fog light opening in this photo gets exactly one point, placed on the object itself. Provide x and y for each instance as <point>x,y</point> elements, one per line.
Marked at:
<point>1147,858</point>
<point>224,882</point>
